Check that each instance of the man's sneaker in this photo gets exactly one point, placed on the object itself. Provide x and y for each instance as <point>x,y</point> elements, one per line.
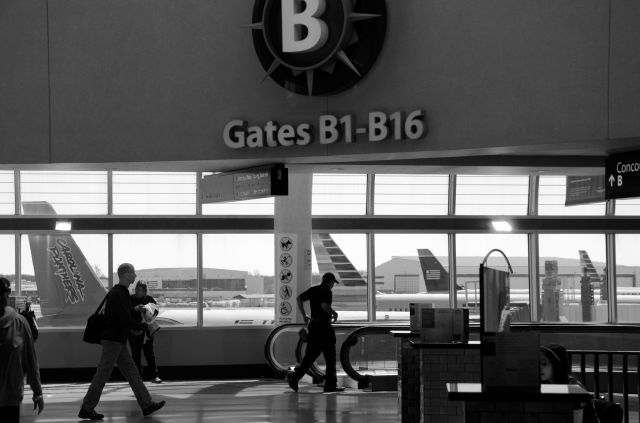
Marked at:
<point>91,415</point>
<point>333,389</point>
<point>156,380</point>
<point>155,406</point>
<point>292,381</point>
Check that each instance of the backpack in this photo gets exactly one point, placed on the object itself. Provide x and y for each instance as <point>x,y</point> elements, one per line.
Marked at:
<point>28,314</point>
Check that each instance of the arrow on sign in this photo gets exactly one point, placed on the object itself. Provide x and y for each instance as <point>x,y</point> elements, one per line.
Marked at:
<point>611,180</point>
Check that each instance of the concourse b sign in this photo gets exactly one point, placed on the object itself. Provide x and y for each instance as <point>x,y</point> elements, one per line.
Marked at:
<point>623,175</point>
<point>318,47</point>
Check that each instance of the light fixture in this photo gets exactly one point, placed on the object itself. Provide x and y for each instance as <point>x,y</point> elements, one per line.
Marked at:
<point>501,225</point>
<point>63,225</point>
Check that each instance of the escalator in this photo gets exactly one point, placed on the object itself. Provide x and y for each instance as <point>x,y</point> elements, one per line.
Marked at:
<point>365,350</point>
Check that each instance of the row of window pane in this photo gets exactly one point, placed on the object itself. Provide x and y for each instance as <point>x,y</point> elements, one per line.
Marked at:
<point>238,280</point>
<point>174,193</point>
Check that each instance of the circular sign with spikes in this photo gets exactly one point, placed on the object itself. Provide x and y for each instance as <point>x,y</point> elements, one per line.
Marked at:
<point>318,47</point>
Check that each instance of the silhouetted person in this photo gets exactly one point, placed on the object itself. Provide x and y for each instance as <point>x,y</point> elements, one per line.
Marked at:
<point>137,338</point>
<point>118,323</point>
<point>17,358</point>
<point>321,336</point>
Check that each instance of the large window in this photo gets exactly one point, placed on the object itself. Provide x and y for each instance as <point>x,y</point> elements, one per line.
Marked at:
<point>167,263</point>
<point>627,277</point>
<point>8,259</point>
<point>260,206</point>
<point>65,192</point>
<point>338,194</point>
<point>570,268</point>
<point>491,195</point>
<point>410,268</point>
<point>411,194</point>
<point>628,207</point>
<point>238,279</point>
<point>164,193</point>
<point>552,194</point>
<point>471,249</point>
<point>344,255</point>
<point>7,202</point>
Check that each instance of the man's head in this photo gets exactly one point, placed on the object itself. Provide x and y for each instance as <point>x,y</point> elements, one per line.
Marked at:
<point>5,290</point>
<point>329,280</point>
<point>141,289</point>
<point>126,274</point>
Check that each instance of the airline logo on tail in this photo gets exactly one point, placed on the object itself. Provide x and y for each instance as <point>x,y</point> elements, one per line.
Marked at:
<point>67,271</point>
<point>436,277</point>
<point>585,263</point>
<point>331,259</point>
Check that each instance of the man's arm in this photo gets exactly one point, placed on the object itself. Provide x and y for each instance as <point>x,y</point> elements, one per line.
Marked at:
<point>327,309</point>
<point>301,308</point>
<point>30,366</point>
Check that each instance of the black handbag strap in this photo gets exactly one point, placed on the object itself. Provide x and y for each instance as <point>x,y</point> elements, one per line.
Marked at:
<point>101,304</point>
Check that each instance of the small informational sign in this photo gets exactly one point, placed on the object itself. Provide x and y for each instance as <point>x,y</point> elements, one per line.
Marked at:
<point>248,184</point>
<point>622,172</point>
<point>584,190</point>
<point>286,252</point>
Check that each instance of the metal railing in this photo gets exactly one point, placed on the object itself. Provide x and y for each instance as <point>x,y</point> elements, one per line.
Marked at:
<point>612,373</point>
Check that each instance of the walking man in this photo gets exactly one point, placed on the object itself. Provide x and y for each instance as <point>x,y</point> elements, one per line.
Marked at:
<point>118,323</point>
<point>321,337</point>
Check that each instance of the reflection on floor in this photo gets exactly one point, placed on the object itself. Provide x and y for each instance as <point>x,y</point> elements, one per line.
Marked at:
<point>235,401</point>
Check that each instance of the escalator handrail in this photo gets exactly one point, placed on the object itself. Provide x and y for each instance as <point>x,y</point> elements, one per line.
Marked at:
<point>352,339</point>
<point>268,346</point>
<point>314,371</point>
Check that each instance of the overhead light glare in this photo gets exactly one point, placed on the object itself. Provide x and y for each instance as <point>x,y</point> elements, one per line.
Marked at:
<point>63,225</point>
<point>501,226</point>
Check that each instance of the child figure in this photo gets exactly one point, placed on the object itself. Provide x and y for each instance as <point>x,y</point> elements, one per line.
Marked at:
<point>555,368</point>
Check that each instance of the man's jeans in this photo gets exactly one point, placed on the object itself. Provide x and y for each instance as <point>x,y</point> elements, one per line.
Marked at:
<point>115,353</point>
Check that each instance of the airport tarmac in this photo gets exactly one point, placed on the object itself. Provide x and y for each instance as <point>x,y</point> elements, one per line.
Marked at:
<point>231,401</point>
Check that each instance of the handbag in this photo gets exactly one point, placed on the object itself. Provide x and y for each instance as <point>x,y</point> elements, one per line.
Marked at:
<point>95,324</point>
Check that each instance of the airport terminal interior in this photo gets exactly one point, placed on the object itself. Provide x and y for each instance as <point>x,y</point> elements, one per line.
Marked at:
<point>468,171</point>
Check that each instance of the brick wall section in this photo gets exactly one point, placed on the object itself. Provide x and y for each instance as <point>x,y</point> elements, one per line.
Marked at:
<point>408,380</point>
<point>518,412</point>
<point>439,365</point>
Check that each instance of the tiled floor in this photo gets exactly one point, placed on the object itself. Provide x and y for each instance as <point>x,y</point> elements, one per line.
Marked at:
<point>253,401</point>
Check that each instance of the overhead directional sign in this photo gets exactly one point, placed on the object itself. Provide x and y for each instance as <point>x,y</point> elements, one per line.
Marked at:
<point>584,190</point>
<point>245,184</point>
<point>623,175</point>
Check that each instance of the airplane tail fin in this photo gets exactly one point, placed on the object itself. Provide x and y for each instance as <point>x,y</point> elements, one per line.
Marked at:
<point>67,284</point>
<point>436,277</point>
<point>585,263</point>
<point>331,259</point>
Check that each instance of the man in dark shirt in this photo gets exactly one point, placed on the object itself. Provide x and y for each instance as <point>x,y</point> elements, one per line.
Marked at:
<point>321,338</point>
<point>118,323</point>
<point>137,338</point>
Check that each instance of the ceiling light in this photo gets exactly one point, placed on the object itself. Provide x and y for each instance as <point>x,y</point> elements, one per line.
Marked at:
<point>501,226</point>
<point>63,226</point>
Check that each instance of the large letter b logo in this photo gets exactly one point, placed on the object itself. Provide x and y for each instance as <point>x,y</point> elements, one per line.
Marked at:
<point>302,31</point>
